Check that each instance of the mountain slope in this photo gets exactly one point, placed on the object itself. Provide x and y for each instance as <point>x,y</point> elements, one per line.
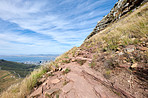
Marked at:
<point>12,72</point>
<point>111,63</point>
<point>121,9</point>
<point>19,69</point>
<point>7,79</point>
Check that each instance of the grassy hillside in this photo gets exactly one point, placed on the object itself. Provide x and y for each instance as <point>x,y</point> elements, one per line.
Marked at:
<point>16,68</point>
<point>7,79</point>
<point>12,72</point>
<point>120,49</point>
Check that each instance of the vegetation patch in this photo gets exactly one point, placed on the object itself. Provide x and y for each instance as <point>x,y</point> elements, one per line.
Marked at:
<point>92,64</point>
<point>18,69</point>
<point>7,79</point>
<point>107,74</point>
<point>80,62</point>
<point>67,70</point>
<point>66,61</point>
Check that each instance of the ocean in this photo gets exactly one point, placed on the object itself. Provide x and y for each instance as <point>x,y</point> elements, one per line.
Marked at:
<point>29,59</point>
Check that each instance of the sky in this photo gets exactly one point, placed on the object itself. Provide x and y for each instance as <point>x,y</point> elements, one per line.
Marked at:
<point>48,26</point>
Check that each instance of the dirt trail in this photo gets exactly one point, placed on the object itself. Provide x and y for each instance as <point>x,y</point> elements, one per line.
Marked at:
<point>80,82</point>
<point>83,86</point>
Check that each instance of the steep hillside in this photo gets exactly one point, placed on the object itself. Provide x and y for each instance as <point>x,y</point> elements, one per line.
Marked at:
<point>13,72</point>
<point>19,69</point>
<point>7,79</point>
<point>111,64</point>
<point>121,9</point>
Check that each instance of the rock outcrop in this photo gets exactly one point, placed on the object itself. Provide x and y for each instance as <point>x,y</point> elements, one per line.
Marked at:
<point>120,9</point>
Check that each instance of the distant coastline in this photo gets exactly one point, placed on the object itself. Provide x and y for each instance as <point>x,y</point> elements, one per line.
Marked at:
<point>30,59</point>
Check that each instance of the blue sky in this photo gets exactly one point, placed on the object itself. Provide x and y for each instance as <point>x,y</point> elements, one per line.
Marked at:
<point>48,26</point>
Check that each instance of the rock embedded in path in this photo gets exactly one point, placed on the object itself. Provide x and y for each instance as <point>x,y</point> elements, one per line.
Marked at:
<point>36,93</point>
<point>55,81</point>
<point>67,87</point>
<point>51,91</point>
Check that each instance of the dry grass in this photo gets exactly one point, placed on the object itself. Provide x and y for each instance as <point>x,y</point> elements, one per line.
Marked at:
<point>7,79</point>
<point>22,89</point>
<point>71,52</point>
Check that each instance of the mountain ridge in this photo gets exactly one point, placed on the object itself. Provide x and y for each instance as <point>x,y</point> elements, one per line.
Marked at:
<point>120,9</point>
<point>111,64</point>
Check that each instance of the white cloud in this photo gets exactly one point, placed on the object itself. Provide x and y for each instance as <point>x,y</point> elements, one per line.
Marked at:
<point>66,23</point>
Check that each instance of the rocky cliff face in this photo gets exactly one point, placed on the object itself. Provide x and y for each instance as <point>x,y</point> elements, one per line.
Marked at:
<point>120,9</point>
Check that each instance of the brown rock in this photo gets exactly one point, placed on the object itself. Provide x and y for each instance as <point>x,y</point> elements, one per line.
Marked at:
<point>73,60</point>
<point>124,58</point>
<point>120,53</point>
<point>42,80</point>
<point>55,81</point>
<point>67,87</point>
<point>51,91</point>
<point>36,92</point>
<point>117,52</point>
<point>124,61</point>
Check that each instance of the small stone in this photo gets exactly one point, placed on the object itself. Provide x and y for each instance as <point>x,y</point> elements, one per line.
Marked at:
<point>129,63</point>
<point>51,71</point>
<point>118,49</point>
<point>73,60</point>
<point>124,61</point>
<point>120,53</point>
<point>55,81</point>
<point>131,57</point>
<point>130,48</point>
<point>133,39</point>
<point>37,92</point>
<point>134,65</point>
<point>117,52</point>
